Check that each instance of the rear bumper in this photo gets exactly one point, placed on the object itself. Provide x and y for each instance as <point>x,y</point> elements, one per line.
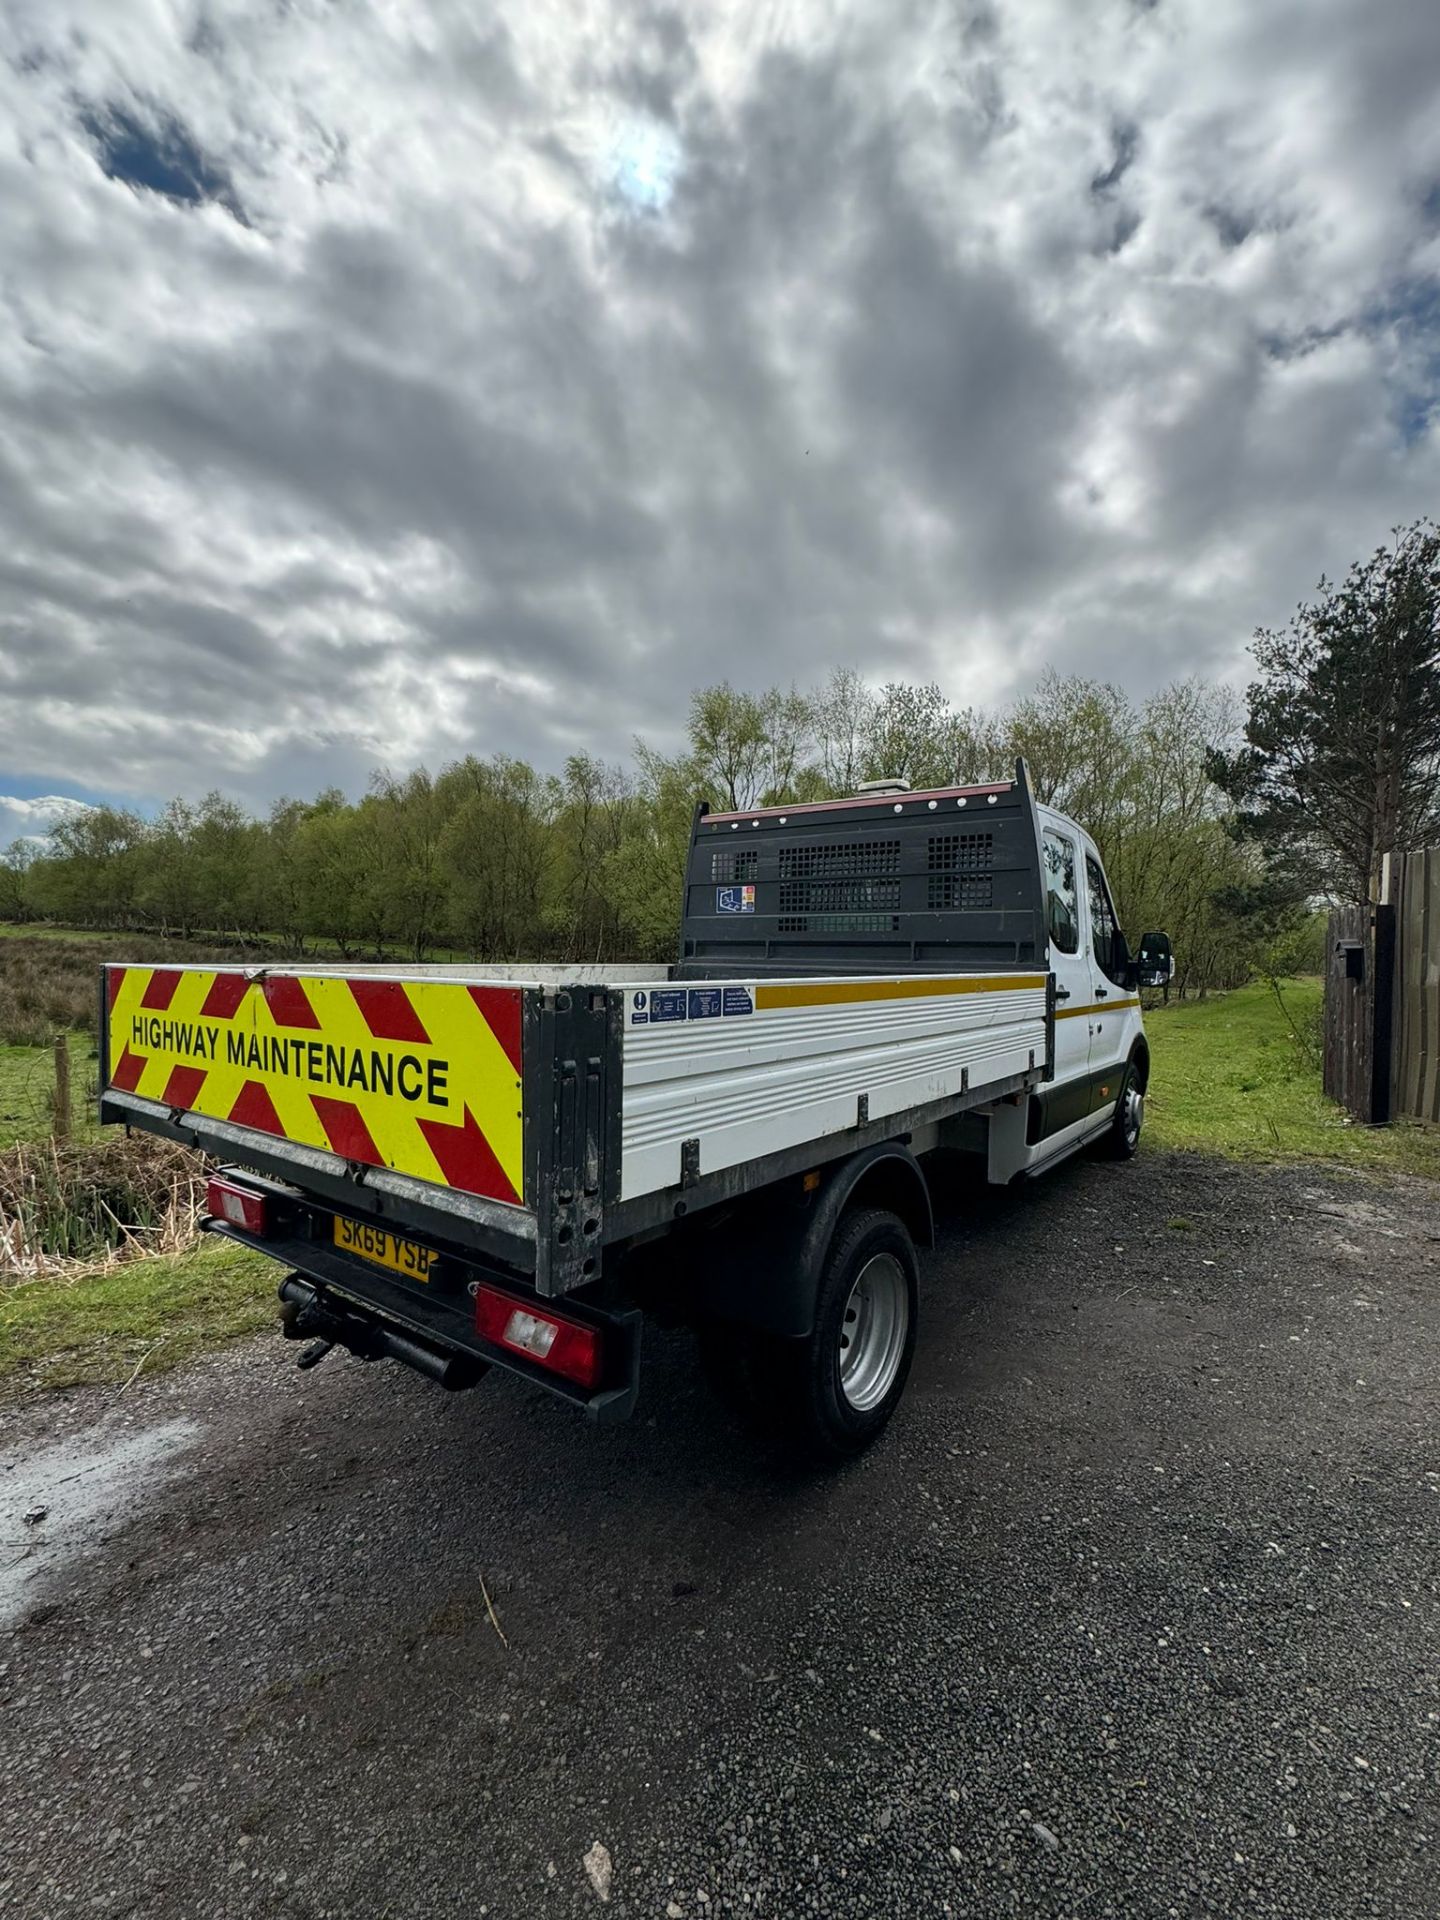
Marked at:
<point>384,1318</point>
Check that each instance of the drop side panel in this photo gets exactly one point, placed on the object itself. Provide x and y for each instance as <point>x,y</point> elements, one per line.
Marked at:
<point>750,1069</point>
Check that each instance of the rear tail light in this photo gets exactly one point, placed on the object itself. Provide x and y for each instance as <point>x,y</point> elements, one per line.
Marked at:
<point>237,1205</point>
<point>564,1346</point>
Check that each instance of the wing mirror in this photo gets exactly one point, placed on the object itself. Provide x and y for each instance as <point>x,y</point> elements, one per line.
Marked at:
<point>1154,964</point>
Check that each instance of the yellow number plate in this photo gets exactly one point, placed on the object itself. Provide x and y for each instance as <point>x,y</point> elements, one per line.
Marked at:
<point>384,1249</point>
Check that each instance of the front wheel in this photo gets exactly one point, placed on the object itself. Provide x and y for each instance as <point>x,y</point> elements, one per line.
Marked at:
<point>1123,1138</point>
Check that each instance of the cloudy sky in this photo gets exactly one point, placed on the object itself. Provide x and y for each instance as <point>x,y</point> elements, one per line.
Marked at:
<point>380,383</point>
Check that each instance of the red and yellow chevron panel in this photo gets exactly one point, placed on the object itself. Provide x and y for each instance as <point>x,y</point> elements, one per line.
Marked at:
<point>420,1076</point>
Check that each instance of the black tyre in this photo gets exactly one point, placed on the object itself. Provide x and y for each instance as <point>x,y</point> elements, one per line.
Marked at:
<point>1122,1140</point>
<point>836,1390</point>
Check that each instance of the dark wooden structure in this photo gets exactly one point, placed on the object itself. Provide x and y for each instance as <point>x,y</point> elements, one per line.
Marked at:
<point>1357,1072</point>
<point>1382,998</point>
<point>1415,1080</point>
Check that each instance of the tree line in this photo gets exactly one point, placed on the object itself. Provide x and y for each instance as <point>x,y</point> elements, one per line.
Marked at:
<point>492,860</point>
<point>1227,823</point>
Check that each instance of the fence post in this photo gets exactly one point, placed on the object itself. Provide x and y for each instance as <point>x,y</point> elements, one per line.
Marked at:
<point>1416,1078</point>
<point>61,1122</point>
<point>1349,1010</point>
<point>1382,1015</point>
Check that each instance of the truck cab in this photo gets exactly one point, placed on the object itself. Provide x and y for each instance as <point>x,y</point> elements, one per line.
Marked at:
<point>1101,1064</point>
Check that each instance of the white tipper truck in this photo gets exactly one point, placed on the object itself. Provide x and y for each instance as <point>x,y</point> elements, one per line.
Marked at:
<point>463,1168</point>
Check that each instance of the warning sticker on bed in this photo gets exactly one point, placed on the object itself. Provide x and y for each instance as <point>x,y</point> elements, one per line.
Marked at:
<point>704,1003</point>
<point>668,1004</point>
<point>735,899</point>
<point>737,1000</point>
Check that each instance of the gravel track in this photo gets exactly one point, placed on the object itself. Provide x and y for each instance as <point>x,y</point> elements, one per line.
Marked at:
<point>1135,1611</point>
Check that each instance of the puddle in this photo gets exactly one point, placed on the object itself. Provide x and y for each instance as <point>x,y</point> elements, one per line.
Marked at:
<point>83,1485</point>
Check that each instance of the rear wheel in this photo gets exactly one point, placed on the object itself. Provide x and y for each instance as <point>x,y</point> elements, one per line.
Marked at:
<point>874,1331</point>
<point>834,1391</point>
<point>846,1379</point>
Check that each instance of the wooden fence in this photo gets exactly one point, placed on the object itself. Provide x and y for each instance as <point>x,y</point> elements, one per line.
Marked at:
<point>1350,1075</point>
<point>1415,1071</point>
<point>1382,997</point>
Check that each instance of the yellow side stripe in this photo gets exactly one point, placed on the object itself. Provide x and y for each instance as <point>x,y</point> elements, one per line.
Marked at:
<point>1097,1006</point>
<point>838,993</point>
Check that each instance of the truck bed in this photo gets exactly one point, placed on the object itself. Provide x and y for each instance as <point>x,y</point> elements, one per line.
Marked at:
<point>545,1111</point>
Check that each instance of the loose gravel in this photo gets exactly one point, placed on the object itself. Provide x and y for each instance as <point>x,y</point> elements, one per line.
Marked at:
<point>1133,1612</point>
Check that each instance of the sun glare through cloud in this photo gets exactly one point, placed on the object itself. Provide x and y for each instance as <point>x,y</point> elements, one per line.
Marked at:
<point>643,164</point>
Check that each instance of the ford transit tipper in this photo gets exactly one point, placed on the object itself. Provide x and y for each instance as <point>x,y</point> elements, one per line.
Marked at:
<point>463,1168</point>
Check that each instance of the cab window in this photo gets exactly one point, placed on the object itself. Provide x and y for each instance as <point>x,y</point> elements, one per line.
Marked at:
<point>1062,901</point>
<point>1103,924</point>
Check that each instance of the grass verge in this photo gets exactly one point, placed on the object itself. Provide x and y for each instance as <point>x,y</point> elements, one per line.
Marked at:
<point>70,1208</point>
<point>152,1314</point>
<point>1230,1076</point>
<point>44,930</point>
<point>27,1092</point>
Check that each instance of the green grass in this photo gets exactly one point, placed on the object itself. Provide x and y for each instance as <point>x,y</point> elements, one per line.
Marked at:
<point>1229,1076</point>
<point>47,930</point>
<point>27,1092</point>
<point>152,1313</point>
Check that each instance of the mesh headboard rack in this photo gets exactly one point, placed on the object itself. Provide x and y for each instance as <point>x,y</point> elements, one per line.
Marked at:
<point>946,880</point>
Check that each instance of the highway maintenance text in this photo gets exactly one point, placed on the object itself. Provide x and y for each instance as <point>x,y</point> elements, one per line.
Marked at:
<point>323,1062</point>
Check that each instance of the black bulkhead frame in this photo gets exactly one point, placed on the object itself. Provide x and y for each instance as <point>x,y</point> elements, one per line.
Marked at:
<point>949,880</point>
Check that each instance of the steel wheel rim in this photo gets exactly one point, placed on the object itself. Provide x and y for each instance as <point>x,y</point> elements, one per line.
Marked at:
<point>1134,1112</point>
<point>872,1332</point>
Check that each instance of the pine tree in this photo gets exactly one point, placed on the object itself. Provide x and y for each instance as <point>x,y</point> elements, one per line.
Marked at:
<point>1341,761</point>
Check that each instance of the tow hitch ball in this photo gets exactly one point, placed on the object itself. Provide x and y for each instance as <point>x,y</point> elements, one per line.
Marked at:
<point>305,1315</point>
<point>294,1325</point>
<point>302,1319</point>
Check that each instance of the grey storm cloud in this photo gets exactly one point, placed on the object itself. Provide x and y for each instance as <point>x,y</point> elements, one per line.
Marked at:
<point>379,385</point>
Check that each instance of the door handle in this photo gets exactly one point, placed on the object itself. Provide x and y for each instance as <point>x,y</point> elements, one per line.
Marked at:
<point>1062,993</point>
<point>1102,993</point>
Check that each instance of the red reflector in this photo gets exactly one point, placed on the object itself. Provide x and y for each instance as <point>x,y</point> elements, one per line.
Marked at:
<point>564,1346</point>
<point>239,1206</point>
